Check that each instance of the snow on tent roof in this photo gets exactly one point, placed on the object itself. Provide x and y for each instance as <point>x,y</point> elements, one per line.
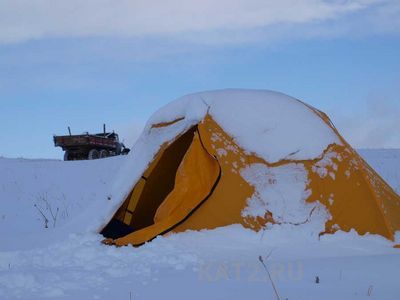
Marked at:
<point>287,127</point>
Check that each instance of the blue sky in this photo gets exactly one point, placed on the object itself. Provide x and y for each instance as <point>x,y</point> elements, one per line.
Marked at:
<point>87,64</point>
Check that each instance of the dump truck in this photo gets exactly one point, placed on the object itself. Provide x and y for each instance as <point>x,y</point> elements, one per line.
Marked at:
<point>90,146</point>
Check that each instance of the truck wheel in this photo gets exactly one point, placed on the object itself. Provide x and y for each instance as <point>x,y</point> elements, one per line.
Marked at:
<point>67,156</point>
<point>93,154</point>
<point>103,153</point>
<point>118,148</point>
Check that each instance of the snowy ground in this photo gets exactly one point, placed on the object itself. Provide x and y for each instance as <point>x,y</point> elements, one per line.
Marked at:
<point>64,261</point>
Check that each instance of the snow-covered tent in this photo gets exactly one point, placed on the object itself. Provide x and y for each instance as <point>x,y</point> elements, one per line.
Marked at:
<point>250,157</point>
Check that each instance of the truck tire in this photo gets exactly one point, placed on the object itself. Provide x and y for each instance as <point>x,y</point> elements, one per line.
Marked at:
<point>118,149</point>
<point>93,154</point>
<point>67,156</point>
<point>103,153</point>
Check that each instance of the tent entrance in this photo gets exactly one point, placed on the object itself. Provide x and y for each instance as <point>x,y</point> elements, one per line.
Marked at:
<point>150,191</point>
<point>178,181</point>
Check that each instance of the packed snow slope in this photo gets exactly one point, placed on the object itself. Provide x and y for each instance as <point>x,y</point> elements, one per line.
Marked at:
<point>50,194</point>
<point>63,261</point>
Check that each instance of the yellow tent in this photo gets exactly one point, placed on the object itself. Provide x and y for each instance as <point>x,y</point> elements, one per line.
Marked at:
<point>225,158</point>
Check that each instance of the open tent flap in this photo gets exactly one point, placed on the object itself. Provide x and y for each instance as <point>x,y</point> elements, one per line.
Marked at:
<point>153,208</point>
<point>152,188</point>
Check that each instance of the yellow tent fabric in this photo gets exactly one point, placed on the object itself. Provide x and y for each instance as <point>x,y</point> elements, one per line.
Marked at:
<point>192,186</point>
<point>195,179</point>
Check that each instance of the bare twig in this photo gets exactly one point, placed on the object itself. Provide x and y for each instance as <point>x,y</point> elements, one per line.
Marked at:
<point>43,198</point>
<point>46,221</point>
<point>269,274</point>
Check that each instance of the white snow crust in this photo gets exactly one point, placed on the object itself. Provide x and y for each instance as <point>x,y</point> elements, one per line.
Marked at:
<point>66,261</point>
<point>282,191</point>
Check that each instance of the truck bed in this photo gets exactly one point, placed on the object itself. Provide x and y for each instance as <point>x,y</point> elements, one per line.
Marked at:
<point>70,141</point>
